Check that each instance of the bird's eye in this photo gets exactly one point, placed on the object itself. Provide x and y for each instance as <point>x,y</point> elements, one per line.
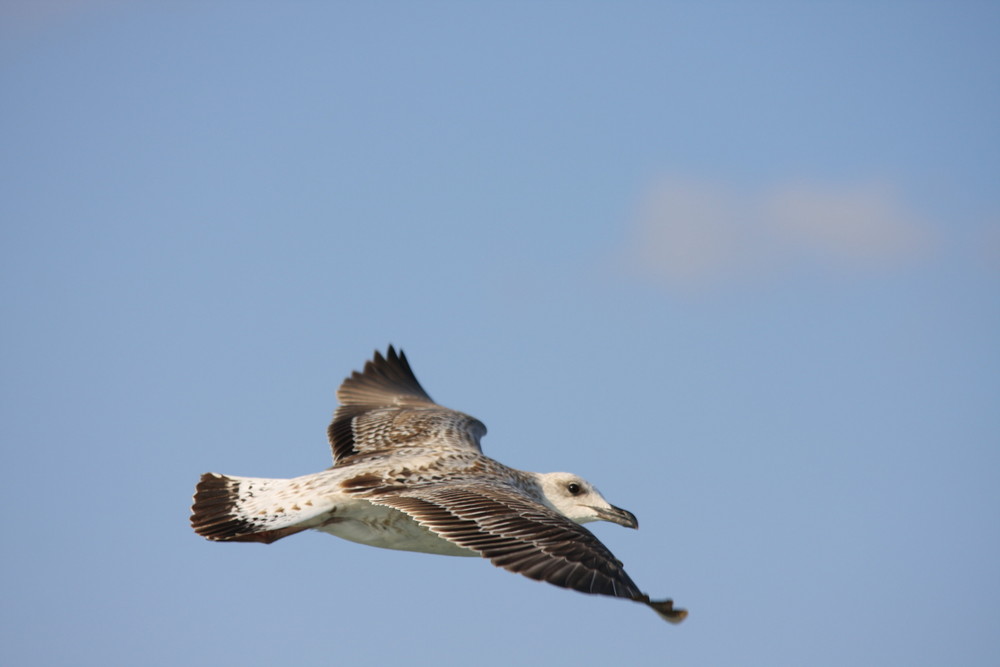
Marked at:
<point>573,488</point>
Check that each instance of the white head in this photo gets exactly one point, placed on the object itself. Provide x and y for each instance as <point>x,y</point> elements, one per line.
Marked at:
<point>578,500</point>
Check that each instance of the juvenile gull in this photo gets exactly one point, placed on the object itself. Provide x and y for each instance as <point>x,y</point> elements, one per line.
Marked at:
<point>409,474</point>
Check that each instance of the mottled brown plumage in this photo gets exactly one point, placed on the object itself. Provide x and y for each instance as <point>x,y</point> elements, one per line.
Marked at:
<point>410,474</point>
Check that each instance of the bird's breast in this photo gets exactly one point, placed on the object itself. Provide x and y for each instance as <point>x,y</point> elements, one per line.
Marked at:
<point>377,526</point>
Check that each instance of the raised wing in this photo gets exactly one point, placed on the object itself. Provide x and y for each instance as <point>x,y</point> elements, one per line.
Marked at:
<point>384,407</point>
<point>523,536</point>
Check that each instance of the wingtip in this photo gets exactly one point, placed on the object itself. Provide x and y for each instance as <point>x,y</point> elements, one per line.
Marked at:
<point>666,611</point>
<point>391,352</point>
<point>381,361</point>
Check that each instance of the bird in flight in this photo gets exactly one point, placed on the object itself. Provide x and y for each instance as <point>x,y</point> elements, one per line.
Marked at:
<point>409,474</point>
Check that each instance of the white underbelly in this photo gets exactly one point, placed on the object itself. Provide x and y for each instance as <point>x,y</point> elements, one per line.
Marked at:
<point>384,527</point>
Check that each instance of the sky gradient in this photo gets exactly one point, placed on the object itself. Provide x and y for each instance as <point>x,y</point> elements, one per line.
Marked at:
<point>738,264</point>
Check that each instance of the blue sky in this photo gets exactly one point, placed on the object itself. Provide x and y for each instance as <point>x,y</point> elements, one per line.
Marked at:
<point>736,263</point>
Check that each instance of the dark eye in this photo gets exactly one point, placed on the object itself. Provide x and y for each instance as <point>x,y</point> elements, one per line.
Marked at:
<point>573,488</point>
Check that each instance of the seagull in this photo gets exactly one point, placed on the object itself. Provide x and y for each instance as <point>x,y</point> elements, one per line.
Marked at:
<point>410,474</point>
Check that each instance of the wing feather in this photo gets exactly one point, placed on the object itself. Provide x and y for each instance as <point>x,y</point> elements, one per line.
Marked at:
<point>385,380</point>
<point>521,535</point>
<point>384,407</point>
<point>517,534</point>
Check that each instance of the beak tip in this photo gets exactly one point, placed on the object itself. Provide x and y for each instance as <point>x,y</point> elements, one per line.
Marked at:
<point>622,517</point>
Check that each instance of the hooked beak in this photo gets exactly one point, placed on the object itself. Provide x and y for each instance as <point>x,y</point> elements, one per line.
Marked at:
<point>617,515</point>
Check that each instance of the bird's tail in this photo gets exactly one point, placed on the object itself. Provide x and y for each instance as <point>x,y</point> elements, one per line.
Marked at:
<point>249,509</point>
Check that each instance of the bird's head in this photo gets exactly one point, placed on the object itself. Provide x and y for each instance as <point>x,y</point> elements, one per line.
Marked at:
<point>578,500</point>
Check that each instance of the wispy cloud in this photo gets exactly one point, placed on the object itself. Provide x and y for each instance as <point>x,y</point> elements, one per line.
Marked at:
<point>692,235</point>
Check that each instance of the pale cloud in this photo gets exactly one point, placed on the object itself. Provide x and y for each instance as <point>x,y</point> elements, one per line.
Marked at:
<point>863,224</point>
<point>692,235</point>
